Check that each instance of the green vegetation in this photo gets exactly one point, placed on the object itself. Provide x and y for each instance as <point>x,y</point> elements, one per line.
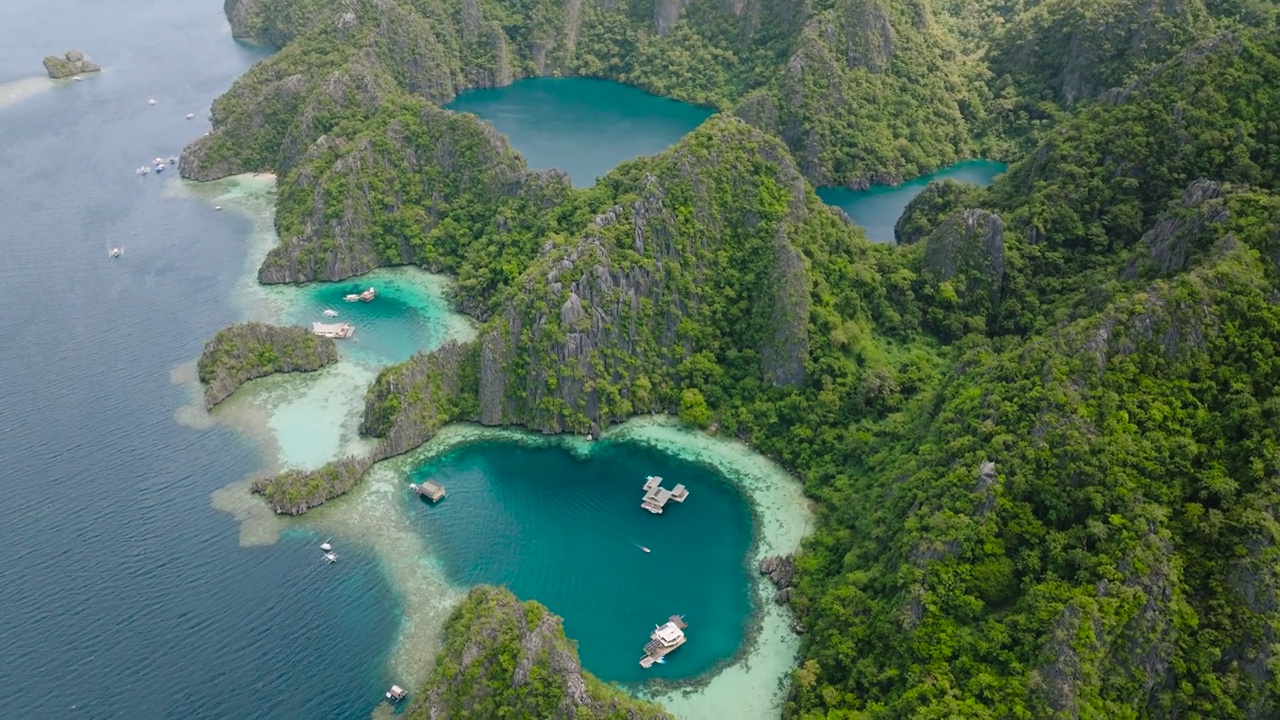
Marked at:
<point>240,353</point>
<point>1041,433</point>
<point>293,492</point>
<point>505,658</point>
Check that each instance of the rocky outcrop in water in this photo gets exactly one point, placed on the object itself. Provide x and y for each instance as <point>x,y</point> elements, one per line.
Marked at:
<point>781,571</point>
<point>240,353</point>
<point>73,62</point>
<point>505,658</point>
<point>293,492</point>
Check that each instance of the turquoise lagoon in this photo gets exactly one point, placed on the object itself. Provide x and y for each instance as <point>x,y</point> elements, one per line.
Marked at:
<point>568,531</point>
<point>877,209</point>
<point>583,126</point>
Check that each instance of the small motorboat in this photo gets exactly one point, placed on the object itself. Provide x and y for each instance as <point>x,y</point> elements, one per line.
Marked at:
<point>115,252</point>
<point>331,313</point>
<point>160,168</point>
<point>77,78</point>
<point>173,160</point>
<point>142,170</point>
<point>644,548</point>
<point>151,102</point>
<point>325,546</point>
<point>190,115</point>
<point>217,207</point>
<point>331,557</point>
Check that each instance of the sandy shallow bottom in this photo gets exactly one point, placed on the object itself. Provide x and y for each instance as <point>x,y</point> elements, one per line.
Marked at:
<point>15,91</point>
<point>307,420</point>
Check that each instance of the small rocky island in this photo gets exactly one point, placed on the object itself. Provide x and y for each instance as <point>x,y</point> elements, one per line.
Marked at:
<point>240,353</point>
<point>71,63</point>
<point>505,658</point>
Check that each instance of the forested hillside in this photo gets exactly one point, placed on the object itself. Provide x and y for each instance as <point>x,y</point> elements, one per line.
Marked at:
<point>1041,431</point>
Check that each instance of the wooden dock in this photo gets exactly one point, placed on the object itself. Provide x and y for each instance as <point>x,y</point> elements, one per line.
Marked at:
<point>663,640</point>
<point>656,496</point>
<point>430,490</point>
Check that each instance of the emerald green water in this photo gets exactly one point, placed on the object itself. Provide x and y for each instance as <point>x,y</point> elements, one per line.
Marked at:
<point>877,209</point>
<point>583,126</point>
<point>568,532</point>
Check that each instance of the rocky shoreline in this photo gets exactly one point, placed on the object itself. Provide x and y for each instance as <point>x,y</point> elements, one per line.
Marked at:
<point>240,353</point>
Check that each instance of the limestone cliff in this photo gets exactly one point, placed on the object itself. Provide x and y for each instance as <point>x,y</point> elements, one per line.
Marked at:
<point>1067,51</point>
<point>505,658</point>
<point>712,234</point>
<point>240,353</point>
<point>418,185</point>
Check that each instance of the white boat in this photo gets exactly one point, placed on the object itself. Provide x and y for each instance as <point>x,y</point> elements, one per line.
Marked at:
<point>217,207</point>
<point>325,546</point>
<point>331,557</point>
<point>190,115</point>
<point>77,78</point>
<point>151,102</point>
<point>160,168</point>
<point>115,252</point>
<point>331,313</point>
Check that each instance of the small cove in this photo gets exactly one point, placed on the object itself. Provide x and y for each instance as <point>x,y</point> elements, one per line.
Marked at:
<point>584,126</point>
<point>568,531</point>
<point>877,209</point>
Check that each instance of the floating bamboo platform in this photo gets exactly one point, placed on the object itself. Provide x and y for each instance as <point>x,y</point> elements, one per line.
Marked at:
<point>656,496</point>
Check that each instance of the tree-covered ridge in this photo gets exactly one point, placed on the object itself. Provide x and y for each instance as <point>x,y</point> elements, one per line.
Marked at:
<point>415,186</point>
<point>862,90</point>
<point>1078,520</point>
<point>504,658</point>
<point>1079,525</point>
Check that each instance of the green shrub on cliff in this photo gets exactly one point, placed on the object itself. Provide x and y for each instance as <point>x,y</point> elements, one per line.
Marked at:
<point>240,353</point>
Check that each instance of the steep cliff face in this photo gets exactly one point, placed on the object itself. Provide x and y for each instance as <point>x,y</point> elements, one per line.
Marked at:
<point>694,274</point>
<point>504,658</point>
<point>240,353</point>
<point>862,90</point>
<point>874,92</point>
<point>418,185</point>
<point>1126,393</point>
<point>1067,52</point>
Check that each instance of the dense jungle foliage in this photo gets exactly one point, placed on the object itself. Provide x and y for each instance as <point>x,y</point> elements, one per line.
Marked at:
<point>1042,431</point>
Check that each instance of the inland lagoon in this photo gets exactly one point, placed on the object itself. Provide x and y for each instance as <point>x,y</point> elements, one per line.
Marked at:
<point>583,126</point>
<point>876,210</point>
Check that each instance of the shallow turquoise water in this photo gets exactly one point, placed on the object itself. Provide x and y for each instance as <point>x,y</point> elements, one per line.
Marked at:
<point>877,210</point>
<point>567,532</point>
<point>404,317</point>
<point>583,126</point>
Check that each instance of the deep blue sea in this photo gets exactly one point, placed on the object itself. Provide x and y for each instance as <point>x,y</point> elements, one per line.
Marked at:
<point>122,592</point>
